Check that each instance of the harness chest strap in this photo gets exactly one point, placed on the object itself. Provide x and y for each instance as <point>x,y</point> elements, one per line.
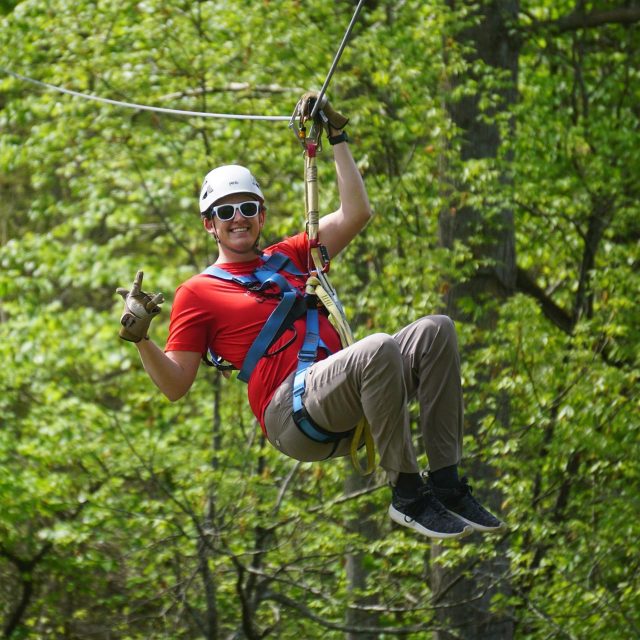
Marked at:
<point>261,279</point>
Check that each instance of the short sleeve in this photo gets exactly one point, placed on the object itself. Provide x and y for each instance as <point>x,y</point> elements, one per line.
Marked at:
<point>190,323</point>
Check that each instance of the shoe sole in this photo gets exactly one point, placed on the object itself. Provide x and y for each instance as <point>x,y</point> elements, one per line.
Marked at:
<point>478,527</point>
<point>401,519</point>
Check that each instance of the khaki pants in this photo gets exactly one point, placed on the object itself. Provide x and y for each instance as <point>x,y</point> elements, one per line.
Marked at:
<point>375,378</point>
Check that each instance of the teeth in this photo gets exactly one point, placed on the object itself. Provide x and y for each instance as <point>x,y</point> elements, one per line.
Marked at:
<point>239,229</point>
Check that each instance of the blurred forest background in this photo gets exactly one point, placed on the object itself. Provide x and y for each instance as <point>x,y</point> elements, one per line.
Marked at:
<point>499,142</point>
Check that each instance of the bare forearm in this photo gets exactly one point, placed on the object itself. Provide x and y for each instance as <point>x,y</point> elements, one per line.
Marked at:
<point>354,201</point>
<point>172,378</point>
<point>337,229</point>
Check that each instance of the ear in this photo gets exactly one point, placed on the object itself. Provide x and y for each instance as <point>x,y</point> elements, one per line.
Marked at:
<point>210,227</point>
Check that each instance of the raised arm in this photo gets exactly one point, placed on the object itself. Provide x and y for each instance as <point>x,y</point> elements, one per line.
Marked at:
<point>337,229</point>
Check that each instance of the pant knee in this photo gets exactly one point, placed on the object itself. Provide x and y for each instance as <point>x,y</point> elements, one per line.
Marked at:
<point>385,347</point>
<point>441,329</point>
<point>384,352</point>
<point>445,325</point>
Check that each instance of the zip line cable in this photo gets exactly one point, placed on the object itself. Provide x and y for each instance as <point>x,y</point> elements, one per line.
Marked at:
<point>142,107</point>
<point>336,59</point>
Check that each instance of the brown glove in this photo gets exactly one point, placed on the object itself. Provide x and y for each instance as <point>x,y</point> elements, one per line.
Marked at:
<point>327,113</point>
<point>140,309</point>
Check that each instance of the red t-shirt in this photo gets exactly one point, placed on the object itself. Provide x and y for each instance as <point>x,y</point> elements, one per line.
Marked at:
<point>212,313</point>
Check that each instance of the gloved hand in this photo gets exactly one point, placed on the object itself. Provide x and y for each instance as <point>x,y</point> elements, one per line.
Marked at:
<point>140,309</point>
<point>331,117</point>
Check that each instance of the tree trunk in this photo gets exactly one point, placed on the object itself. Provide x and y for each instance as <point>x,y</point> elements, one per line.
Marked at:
<point>357,573</point>
<point>464,593</point>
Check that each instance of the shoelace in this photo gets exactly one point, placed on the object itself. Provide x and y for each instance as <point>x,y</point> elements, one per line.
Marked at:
<point>426,499</point>
<point>465,489</point>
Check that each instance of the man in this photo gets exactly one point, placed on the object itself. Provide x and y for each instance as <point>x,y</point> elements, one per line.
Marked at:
<point>225,310</point>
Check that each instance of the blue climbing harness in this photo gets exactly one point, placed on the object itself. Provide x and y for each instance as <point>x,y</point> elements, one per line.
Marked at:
<point>293,304</point>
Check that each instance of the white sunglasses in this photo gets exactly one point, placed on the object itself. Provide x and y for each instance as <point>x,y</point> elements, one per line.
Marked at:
<point>226,212</point>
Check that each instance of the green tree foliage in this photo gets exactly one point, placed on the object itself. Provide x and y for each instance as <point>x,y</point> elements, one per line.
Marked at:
<point>125,516</point>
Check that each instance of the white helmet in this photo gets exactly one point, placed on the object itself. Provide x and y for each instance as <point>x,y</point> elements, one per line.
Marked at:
<point>225,180</point>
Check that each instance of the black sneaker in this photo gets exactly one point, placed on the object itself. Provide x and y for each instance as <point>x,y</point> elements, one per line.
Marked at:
<point>426,515</point>
<point>463,505</point>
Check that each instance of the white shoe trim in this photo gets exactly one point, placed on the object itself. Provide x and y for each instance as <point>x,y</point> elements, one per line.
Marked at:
<point>406,521</point>
<point>478,527</point>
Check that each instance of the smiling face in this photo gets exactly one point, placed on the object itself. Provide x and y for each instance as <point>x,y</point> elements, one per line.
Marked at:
<point>238,237</point>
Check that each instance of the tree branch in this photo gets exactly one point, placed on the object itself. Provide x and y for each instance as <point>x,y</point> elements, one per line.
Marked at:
<point>328,624</point>
<point>577,20</point>
<point>232,87</point>
<point>557,315</point>
<point>26,567</point>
